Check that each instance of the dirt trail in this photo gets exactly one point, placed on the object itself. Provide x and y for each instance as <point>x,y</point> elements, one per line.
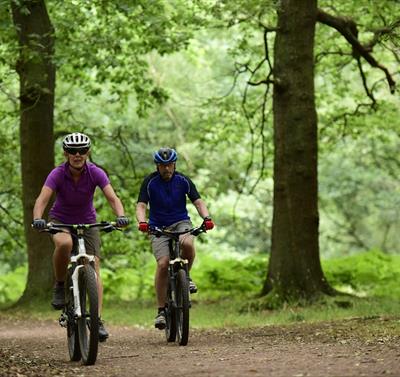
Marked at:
<point>347,348</point>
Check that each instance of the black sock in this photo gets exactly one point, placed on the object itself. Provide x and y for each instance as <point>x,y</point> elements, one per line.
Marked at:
<point>59,283</point>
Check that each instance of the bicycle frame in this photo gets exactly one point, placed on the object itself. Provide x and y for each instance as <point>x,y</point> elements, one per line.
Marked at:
<point>177,312</point>
<point>179,262</point>
<point>81,255</point>
<point>75,281</point>
<point>81,318</point>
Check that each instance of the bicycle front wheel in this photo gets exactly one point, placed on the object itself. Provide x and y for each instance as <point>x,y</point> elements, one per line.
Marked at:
<point>72,328</point>
<point>88,323</point>
<point>170,328</point>
<point>182,308</point>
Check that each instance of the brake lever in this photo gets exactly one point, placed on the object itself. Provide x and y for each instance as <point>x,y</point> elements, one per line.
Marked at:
<point>108,228</point>
<point>199,230</point>
<point>156,232</point>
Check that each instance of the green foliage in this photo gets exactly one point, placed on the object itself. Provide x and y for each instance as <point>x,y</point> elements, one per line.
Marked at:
<point>12,285</point>
<point>187,66</point>
<point>366,274</point>
<point>229,278</point>
<point>135,283</point>
<point>111,42</point>
<point>223,301</point>
<point>359,196</point>
<point>11,224</point>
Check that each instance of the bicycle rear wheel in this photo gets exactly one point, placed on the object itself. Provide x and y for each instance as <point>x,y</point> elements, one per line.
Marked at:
<point>72,327</point>
<point>88,323</point>
<point>182,308</point>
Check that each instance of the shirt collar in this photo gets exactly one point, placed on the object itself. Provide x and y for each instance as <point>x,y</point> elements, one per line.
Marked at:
<point>68,172</point>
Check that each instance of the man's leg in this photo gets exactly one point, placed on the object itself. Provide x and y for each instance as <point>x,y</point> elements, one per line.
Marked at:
<point>160,247</point>
<point>161,281</point>
<point>189,253</point>
<point>188,249</point>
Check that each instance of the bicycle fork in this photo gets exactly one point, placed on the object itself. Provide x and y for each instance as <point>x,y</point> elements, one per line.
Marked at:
<point>77,311</point>
<point>175,266</point>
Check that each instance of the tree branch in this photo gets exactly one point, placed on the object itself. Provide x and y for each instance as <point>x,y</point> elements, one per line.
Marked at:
<point>348,29</point>
<point>364,81</point>
<point>20,223</point>
<point>382,32</point>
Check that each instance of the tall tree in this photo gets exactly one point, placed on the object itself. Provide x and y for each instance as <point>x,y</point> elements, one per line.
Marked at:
<point>37,83</point>
<point>294,269</point>
<point>109,45</point>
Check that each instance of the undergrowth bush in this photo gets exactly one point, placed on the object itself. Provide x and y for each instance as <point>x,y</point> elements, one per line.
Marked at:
<point>12,285</point>
<point>372,274</point>
<point>225,278</point>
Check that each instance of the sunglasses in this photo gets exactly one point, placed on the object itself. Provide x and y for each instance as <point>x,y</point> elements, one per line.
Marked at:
<point>74,151</point>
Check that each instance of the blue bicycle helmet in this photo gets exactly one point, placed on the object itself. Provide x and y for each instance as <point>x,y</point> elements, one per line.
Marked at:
<point>165,156</point>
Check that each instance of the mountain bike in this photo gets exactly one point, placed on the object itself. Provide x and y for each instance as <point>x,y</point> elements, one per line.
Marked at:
<point>80,315</point>
<point>178,296</point>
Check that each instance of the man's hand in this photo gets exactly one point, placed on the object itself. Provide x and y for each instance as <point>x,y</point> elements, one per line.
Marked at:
<point>143,227</point>
<point>208,223</point>
<point>39,224</point>
<point>122,221</point>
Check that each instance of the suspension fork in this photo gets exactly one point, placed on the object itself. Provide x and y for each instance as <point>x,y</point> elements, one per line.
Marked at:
<point>81,260</point>
<point>171,270</point>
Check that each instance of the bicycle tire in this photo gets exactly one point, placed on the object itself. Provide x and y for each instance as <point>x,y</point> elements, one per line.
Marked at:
<point>88,323</point>
<point>182,308</point>
<point>72,327</point>
<point>170,317</point>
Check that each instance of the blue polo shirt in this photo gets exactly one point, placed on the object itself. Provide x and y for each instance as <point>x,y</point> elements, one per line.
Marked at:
<point>74,201</point>
<point>167,199</point>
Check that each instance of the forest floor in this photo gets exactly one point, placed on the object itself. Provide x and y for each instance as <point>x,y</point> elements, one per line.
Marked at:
<point>352,347</point>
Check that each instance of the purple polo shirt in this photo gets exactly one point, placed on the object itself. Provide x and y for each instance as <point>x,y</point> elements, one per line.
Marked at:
<point>74,201</point>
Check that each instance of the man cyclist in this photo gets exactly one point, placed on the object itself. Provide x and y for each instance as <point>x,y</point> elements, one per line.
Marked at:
<point>165,192</point>
<point>74,183</point>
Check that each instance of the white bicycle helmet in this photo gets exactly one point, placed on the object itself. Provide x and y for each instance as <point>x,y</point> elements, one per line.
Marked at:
<point>76,140</point>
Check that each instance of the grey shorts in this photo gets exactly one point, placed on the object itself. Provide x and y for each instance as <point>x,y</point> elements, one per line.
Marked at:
<point>160,244</point>
<point>91,237</point>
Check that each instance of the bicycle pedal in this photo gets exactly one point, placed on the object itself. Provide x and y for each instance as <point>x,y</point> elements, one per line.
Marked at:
<point>63,320</point>
<point>160,326</point>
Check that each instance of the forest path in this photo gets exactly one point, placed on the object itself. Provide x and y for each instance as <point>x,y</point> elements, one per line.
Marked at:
<point>354,347</point>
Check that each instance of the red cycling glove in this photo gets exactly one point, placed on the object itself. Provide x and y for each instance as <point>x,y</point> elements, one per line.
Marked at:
<point>208,223</point>
<point>143,227</point>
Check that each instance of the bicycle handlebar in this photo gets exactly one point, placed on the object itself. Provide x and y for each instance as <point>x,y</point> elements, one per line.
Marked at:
<point>163,231</point>
<point>106,226</point>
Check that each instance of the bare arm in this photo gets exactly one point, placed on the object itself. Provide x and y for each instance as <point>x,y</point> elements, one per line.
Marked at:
<point>114,201</point>
<point>201,208</point>
<point>141,208</point>
<point>41,202</point>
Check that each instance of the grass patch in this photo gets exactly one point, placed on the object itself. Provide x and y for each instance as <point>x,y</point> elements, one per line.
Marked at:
<point>223,313</point>
<point>33,310</point>
<point>228,313</point>
<point>227,289</point>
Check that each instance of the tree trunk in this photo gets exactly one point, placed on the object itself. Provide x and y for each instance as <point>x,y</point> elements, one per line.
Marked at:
<point>37,83</point>
<point>294,268</point>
